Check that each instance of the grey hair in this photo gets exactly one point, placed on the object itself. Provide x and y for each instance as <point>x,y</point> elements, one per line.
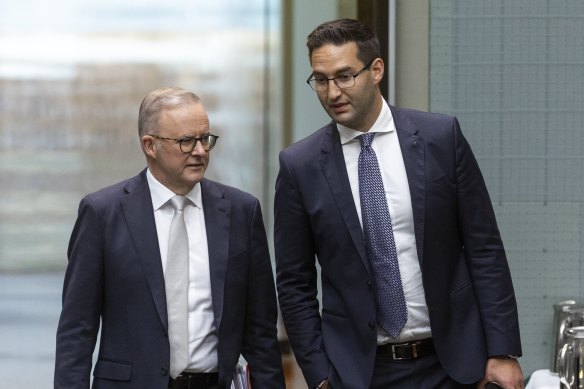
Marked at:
<point>158,100</point>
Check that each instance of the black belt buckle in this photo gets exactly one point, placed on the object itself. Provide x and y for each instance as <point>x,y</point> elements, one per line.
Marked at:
<point>395,349</point>
<point>407,350</point>
<point>194,381</point>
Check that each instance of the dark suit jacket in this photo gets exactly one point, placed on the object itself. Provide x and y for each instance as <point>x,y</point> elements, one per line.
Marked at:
<point>466,278</point>
<point>115,274</point>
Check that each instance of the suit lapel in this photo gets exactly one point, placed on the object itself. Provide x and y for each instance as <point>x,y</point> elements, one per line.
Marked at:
<point>217,223</point>
<point>335,171</point>
<point>137,208</point>
<point>413,152</point>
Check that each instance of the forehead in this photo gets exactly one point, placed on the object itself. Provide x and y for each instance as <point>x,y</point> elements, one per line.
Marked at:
<point>185,118</point>
<point>331,58</point>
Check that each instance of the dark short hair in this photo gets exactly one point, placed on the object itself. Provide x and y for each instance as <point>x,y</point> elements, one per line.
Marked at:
<point>158,100</point>
<point>341,31</point>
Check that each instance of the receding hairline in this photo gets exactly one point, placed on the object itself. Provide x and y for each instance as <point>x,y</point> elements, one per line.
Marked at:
<point>159,100</point>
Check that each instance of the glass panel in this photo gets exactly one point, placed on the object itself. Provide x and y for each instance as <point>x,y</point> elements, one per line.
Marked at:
<point>72,76</point>
<point>513,72</point>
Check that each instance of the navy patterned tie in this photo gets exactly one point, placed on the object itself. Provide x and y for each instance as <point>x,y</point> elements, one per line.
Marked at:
<point>392,312</point>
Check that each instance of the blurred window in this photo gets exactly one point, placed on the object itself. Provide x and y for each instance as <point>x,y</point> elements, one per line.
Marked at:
<point>72,76</point>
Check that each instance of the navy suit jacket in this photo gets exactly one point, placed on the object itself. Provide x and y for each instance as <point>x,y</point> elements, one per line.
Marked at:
<point>466,277</point>
<point>115,274</point>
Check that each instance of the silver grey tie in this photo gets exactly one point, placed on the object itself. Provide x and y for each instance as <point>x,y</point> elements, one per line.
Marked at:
<point>176,283</point>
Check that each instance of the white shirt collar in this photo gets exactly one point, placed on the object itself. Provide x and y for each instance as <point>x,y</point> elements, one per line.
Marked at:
<point>382,124</point>
<point>161,194</point>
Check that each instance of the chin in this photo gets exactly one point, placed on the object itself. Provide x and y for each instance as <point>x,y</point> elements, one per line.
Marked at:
<point>342,118</point>
<point>196,180</point>
<point>193,180</point>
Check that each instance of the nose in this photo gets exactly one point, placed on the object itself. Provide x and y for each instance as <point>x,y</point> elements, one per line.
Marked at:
<point>198,149</point>
<point>333,91</point>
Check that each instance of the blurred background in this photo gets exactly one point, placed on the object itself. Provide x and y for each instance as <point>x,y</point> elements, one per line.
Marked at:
<point>73,73</point>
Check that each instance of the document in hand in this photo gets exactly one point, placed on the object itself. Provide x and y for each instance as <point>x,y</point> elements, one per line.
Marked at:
<point>241,377</point>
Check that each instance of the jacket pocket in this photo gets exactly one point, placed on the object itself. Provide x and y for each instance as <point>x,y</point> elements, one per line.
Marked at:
<point>461,289</point>
<point>440,183</point>
<point>110,370</point>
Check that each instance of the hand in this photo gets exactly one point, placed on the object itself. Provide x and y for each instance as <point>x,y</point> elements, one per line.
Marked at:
<point>503,371</point>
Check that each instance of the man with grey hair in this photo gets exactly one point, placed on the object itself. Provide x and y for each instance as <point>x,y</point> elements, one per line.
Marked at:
<point>175,266</point>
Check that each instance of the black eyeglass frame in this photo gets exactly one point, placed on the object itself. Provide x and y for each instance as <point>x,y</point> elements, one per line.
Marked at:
<point>334,79</point>
<point>194,139</point>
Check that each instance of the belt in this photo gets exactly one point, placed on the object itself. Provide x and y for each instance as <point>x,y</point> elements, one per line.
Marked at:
<point>407,351</point>
<point>194,381</point>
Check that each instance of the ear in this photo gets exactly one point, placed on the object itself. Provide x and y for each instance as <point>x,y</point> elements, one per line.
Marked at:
<point>377,70</point>
<point>149,146</point>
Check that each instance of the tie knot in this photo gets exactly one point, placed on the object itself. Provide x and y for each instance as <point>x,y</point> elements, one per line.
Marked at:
<point>178,202</point>
<point>366,139</point>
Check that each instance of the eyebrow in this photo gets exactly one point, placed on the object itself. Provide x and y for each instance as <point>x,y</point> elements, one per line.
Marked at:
<point>196,136</point>
<point>344,70</point>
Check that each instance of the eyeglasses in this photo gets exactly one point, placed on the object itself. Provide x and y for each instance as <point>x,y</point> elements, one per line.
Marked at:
<point>320,84</point>
<point>188,143</point>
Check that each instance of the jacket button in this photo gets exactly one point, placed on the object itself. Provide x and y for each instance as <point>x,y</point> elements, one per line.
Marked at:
<point>371,326</point>
<point>369,284</point>
<point>164,370</point>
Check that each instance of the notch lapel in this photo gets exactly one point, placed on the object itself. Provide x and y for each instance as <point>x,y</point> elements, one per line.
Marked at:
<point>217,223</point>
<point>335,171</point>
<point>137,208</point>
<point>413,152</point>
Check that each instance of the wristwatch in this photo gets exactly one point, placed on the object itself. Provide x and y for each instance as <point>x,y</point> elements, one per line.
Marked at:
<point>322,384</point>
<point>506,356</point>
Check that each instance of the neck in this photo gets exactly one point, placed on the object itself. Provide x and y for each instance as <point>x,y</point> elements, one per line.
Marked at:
<point>373,114</point>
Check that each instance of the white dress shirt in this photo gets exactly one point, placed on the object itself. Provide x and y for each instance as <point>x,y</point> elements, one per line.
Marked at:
<point>395,182</point>
<point>202,331</point>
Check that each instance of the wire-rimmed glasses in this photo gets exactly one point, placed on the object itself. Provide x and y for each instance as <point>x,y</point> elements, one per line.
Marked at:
<point>320,83</point>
